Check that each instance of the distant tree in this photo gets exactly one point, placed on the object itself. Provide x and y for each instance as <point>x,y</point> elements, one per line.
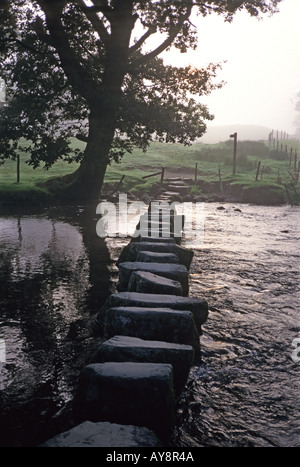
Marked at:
<point>81,68</point>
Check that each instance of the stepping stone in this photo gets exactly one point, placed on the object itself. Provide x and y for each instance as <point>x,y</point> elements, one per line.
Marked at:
<point>155,233</point>
<point>157,211</point>
<point>177,183</point>
<point>155,239</point>
<point>198,306</point>
<point>130,251</point>
<point>157,230</point>
<point>103,434</point>
<point>182,189</point>
<point>132,349</point>
<point>176,272</point>
<point>153,257</point>
<point>159,239</point>
<point>172,193</point>
<point>146,282</point>
<point>127,393</point>
<point>164,219</point>
<point>160,324</point>
<point>180,180</point>
<point>158,215</point>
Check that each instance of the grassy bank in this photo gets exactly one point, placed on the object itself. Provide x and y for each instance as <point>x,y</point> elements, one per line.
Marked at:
<point>214,173</point>
<point>213,166</point>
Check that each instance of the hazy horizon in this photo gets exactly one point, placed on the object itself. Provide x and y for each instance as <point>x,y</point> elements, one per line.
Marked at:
<point>262,69</point>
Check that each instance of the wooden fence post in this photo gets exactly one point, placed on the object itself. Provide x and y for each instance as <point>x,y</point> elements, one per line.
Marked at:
<point>118,184</point>
<point>18,168</point>
<point>234,136</point>
<point>257,172</point>
<point>196,171</point>
<point>220,180</point>
<point>162,174</point>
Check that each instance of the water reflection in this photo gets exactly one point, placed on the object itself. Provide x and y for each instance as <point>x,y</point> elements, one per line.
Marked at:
<point>54,274</point>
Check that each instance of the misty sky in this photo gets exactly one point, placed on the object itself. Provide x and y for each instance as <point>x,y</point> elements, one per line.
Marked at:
<point>262,70</point>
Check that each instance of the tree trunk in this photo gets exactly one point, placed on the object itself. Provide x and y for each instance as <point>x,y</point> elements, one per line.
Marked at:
<point>85,184</point>
<point>90,175</point>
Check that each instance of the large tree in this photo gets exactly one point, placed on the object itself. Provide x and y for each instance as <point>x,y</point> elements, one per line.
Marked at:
<point>86,69</point>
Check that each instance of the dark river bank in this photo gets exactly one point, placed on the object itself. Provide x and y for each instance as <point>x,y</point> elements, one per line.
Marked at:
<point>55,273</point>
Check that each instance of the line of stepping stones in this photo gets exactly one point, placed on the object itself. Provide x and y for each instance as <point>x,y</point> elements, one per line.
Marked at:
<point>126,395</point>
<point>176,188</point>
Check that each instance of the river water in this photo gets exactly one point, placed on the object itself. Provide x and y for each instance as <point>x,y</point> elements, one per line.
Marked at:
<point>55,273</point>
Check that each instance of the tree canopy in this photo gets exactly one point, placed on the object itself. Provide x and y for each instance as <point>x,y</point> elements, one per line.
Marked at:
<point>92,70</point>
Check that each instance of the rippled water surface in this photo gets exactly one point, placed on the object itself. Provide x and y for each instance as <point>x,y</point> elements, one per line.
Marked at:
<point>55,273</point>
<point>246,391</point>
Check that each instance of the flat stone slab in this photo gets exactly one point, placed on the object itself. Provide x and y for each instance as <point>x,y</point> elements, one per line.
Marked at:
<point>161,324</point>
<point>147,282</point>
<point>176,272</point>
<point>163,215</point>
<point>133,349</point>
<point>185,255</point>
<point>153,257</point>
<point>130,251</point>
<point>180,188</point>
<point>173,224</point>
<point>175,227</point>
<point>198,306</point>
<point>103,434</point>
<point>127,393</point>
<point>157,233</point>
<point>155,239</point>
<point>171,193</point>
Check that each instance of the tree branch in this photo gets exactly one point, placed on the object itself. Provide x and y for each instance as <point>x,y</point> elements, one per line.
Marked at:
<point>151,30</point>
<point>170,39</point>
<point>102,7</point>
<point>22,44</point>
<point>77,75</point>
<point>91,14</point>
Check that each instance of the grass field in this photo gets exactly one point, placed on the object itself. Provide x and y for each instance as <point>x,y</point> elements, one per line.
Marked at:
<point>212,161</point>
